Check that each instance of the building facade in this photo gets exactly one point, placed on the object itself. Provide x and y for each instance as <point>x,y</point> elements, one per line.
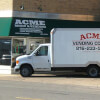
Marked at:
<point>27,23</point>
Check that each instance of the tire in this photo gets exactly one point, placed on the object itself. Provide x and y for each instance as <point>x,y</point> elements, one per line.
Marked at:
<point>26,71</point>
<point>93,71</point>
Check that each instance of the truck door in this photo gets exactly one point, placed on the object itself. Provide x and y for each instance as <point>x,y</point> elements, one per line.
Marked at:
<point>41,59</point>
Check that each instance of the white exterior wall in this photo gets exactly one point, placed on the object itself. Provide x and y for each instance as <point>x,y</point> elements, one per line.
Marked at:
<point>5,69</point>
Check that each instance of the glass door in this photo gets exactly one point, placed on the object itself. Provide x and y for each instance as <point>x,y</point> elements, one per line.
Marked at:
<point>5,51</point>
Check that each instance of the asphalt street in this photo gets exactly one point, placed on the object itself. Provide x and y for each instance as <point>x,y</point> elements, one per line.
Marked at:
<point>11,90</point>
<point>18,88</point>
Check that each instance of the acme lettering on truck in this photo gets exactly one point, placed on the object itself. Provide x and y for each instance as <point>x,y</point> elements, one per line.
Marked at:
<point>90,35</point>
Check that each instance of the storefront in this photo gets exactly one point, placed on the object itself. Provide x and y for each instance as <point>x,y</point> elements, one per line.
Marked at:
<point>25,45</point>
<point>19,36</point>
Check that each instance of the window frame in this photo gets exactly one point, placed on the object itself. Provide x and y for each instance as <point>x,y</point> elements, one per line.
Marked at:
<point>37,54</point>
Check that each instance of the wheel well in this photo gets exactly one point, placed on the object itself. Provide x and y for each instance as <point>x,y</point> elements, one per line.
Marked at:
<point>28,66</point>
<point>93,65</point>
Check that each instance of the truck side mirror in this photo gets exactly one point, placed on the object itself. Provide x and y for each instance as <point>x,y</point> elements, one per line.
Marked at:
<point>36,54</point>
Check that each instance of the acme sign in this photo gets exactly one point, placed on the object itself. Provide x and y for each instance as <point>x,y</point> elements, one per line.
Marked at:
<point>19,23</point>
<point>88,42</point>
<point>30,26</point>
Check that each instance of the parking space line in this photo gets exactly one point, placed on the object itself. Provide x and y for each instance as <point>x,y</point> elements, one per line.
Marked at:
<point>23,98</point>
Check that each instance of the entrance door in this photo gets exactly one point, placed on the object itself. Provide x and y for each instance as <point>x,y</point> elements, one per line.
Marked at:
<point>5,52</point>
<point>41,59</point>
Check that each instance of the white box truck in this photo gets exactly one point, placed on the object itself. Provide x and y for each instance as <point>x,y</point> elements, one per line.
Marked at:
<point>76,49</point>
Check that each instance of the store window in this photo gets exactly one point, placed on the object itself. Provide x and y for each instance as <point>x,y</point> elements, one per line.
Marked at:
<point>5,52</point>
<point>19,46</point>
<point>18,49</point>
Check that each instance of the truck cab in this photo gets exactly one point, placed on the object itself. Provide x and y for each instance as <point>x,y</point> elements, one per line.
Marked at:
<point>37,61</point>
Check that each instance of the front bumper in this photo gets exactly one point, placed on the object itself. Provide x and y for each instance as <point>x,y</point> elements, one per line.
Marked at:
<point>17,68</point>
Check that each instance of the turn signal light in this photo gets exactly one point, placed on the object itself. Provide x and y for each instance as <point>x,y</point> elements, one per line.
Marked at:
<point>17,62</point>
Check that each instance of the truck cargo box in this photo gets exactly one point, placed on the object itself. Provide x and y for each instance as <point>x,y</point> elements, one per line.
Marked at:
<point>75,47</point>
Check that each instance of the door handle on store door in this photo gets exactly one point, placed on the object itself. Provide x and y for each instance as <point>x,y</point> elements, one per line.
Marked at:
<point>48,60</point>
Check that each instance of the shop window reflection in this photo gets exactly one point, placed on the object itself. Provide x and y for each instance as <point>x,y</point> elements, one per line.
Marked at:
<point>18,49</point>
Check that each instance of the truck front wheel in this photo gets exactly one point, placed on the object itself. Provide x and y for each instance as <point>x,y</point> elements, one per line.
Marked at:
<point>93,71</point>
<point>26,71</point>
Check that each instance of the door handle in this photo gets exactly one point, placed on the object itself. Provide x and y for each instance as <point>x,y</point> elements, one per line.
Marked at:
<point>48,60</point>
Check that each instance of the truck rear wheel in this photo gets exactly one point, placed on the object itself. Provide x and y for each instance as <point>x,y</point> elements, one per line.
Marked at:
<point>26,71</point>
<point>93,71</point>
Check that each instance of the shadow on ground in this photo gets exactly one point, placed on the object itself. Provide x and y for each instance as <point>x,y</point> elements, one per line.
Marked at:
<point>62,76</point>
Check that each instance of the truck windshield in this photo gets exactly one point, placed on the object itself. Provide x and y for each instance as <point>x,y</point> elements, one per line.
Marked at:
<point>30,52</point>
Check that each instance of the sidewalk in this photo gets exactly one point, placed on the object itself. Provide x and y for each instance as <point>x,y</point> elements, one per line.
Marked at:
<point>52,79</point>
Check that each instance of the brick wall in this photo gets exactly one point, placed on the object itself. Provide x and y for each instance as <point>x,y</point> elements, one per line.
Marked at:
<point>78,7</point>
<point>82,7</point>
<point>6,4</point>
